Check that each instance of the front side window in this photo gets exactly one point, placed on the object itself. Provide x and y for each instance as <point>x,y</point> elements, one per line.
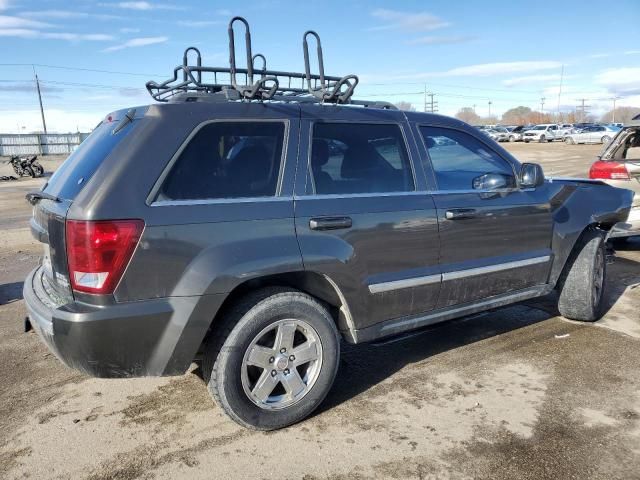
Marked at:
<point>462,162</point>
<point>227,160</point>
<point>349,158</point>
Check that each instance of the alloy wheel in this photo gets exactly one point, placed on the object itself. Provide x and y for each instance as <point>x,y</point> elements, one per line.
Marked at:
<point>281,364</point>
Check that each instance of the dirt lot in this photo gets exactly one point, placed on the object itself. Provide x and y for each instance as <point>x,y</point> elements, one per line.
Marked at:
<point>515,393</point>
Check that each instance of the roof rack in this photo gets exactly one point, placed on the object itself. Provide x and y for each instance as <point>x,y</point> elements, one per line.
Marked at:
<point>197,82</point>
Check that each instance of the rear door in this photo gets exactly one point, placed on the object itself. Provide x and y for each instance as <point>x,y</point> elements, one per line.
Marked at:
<point>363,218</point>
<point>495,238</point>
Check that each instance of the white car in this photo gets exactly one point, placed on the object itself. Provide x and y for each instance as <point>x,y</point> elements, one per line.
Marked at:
<point>545,132</point>
<point>593,134</point>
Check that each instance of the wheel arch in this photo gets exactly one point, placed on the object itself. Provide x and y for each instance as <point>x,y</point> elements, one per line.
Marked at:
<point>318,285</point>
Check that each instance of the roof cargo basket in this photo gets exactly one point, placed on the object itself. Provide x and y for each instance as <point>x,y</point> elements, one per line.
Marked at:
<point>192,82</point>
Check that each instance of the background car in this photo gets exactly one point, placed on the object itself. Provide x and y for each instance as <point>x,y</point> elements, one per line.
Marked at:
<point>545,132</point>
<point>515,133</point>
<point>619,166</point>
<point>499,134</point>
<point>593,134</point>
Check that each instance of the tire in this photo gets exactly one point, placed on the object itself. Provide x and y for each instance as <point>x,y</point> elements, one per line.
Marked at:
<point>581,285</point>
<point>28,172</point>
<point>569,141</point>
<point>38,170</point>
<point>606,139</point>
<point>512,138</point>
<point>542,139</point>
<point>526,141</point>
<point>260,326</point>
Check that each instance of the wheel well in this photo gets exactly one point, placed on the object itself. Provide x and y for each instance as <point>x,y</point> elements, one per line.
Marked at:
<point>315,284</point>
<point>571,257</point>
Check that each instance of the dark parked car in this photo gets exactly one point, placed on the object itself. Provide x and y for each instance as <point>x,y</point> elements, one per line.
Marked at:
<point>256,235</point>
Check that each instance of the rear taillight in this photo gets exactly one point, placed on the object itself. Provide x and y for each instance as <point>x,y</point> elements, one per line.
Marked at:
<point>609,171</point>
<point>98,252</point>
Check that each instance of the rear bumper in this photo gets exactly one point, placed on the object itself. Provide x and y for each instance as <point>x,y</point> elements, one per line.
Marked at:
<point>629,228</point>
<point>144,338</point>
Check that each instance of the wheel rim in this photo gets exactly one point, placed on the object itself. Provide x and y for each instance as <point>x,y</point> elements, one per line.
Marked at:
<point>598,278</point>
<point>281,364</point>
<point>606,139</point>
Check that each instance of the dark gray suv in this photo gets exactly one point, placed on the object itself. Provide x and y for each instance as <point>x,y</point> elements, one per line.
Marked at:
<point>256,235</point>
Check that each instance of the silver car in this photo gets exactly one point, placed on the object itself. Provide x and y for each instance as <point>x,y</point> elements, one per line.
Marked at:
<point>619,166</point>
<point>594,134</point>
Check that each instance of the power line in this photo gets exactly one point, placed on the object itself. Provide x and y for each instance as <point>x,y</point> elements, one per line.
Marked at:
<point>78,69</point>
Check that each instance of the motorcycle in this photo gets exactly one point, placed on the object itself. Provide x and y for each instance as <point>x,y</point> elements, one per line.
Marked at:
<point>26,166</point>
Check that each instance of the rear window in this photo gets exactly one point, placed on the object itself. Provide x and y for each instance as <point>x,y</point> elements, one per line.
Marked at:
<point>227,160</point>
<point>79,167</point>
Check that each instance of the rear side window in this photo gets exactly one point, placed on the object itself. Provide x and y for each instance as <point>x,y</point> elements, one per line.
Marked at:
<point>227,160</point>
<point>351,158</point>
<point>458,159</point>
<point>80,166</point>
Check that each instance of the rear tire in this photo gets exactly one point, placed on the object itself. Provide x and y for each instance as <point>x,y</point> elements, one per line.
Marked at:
<point>569,141</point>
<point>582,283</point>
<point>250,362</point>
<point>38,170</point>
<point>512,138</point>
<point>542,139</point>
<point>606,139</point>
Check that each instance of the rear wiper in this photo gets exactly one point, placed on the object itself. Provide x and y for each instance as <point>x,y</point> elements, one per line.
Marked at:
<point>37,195</point>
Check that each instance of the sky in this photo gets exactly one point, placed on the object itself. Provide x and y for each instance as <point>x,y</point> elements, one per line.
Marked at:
<point>94,56</point>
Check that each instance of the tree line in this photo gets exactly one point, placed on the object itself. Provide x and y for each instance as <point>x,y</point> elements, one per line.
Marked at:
<point>526,116</point>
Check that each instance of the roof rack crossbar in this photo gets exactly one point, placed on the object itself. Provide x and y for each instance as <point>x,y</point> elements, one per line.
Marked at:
<point>322,88</point>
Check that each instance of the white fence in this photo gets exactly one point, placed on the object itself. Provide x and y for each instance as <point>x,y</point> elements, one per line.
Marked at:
<point>39,144</point>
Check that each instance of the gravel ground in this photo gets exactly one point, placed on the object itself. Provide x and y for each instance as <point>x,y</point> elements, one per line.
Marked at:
<point>514,393</point>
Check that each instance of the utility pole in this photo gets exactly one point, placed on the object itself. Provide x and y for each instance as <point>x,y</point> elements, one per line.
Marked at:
<point>490,102</point>
<point>44,124</point>
<point>433,105</point>
<point>474,108</point>
<point>425,98</point>
<point>542,105</point>
<point>560,91</point>
<point>583,109</point>
<point>613,113</point>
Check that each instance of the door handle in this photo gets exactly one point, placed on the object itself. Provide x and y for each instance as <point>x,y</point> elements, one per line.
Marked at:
<point>460,213</point>
<point>330,223</point>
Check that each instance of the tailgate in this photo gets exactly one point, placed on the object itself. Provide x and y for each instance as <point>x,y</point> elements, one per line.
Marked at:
<point>49,216</point>
<point>48,227</point>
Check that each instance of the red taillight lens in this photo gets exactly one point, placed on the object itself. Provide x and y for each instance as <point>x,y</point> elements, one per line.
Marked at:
<point>98,252</point>
<point>609,171</point>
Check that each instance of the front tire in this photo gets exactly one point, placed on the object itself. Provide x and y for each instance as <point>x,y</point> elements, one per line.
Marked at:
<point>569,141</point>
<point>606,139</point>
<point>512,138</point>
<point>582,283</point>
<point>542,139</point>
<point>273,359</point>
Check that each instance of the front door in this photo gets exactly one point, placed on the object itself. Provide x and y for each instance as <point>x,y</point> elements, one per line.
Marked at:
<point>363,218</point>
<point>494,237</point>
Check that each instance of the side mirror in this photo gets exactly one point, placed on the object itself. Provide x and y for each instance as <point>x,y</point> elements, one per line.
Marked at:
<point>531,175</point>
<point>491,181</point>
